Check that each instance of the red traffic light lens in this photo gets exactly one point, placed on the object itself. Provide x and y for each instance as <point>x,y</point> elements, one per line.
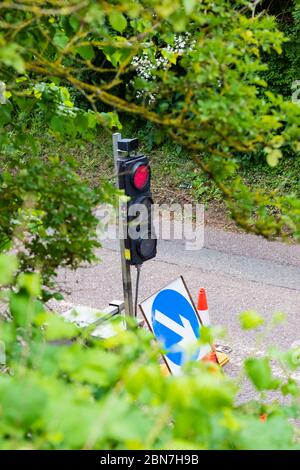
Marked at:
<point>141,176</point>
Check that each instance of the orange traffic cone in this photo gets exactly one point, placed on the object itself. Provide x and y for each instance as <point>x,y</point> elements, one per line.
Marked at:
<point>204,316</point>
<point>202,307</point>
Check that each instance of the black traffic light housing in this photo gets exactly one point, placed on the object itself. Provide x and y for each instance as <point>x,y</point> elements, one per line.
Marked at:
<point>128,145</point>
<point>134,175</point>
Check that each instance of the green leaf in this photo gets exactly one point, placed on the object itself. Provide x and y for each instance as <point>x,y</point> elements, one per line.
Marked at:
<point>81,122</point>
<point>291,388</point>
<point>250,320</point>
<point>22,309</point>
<point>21,79</point>
<point>57,328</point>
<point>57,123</point>
<point>111,120</point>
<point>11,57</point>
<point>31,282</point>
<point>74,22</point>
<point>60,39</point>
<point>260,373</point>
<point>22,402</point>
<point>86,52</point>
<point>92,119</point>
<point>277,141</point>
<point>8,268</point>
<point>117,21</point>
<point>189,5</point>
<point>94,14</point>
<point>170,55</point>
<point>273,156</point>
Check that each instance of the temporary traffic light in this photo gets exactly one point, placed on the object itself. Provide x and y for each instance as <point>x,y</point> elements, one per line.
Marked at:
<point>134,178</point>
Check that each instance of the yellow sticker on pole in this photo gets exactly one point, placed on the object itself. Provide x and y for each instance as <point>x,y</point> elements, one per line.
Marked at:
<point>127,254</point>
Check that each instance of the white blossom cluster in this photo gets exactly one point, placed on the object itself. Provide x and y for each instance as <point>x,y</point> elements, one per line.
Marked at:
<point>145,67</point>
<point>183,43</point>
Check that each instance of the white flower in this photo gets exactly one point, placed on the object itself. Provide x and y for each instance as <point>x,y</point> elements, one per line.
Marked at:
<point>145,68</point>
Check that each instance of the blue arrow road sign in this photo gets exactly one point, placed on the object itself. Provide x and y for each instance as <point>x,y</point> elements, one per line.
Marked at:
<point>175,324</point>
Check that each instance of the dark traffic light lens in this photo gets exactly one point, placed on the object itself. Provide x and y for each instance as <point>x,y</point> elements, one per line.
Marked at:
<point>146,248</point>
<point>141,176</point>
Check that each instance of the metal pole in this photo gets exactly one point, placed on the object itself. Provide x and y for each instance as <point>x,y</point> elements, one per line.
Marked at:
<point>126,274</point>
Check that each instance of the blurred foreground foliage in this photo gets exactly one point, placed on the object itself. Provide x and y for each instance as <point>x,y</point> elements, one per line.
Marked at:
<point>62,388</point>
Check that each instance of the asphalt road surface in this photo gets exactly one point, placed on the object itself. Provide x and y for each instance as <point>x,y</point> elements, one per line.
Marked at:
<point>239,272</point>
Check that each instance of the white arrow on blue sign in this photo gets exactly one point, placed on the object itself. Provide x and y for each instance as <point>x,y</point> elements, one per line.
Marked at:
<point>172,317</point>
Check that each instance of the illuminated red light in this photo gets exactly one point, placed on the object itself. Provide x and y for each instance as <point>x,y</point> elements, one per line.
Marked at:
<point>141,176</point>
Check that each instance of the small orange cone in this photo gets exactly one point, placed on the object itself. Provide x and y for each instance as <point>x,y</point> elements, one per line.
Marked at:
<point>202,307</point>
<point>203,312</point>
